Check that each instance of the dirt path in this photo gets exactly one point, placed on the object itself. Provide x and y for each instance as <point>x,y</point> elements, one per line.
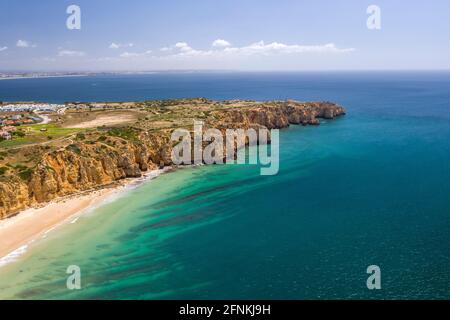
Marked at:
<point>107,120</point>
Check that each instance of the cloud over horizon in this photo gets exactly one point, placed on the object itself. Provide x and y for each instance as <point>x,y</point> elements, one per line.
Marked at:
<point>24,44</point>
<point>221,43</point>
<point>71,53</point>
<point>223,48</point>
<point>114,45</point>
<point>134,54</point>
<point>220,54</point>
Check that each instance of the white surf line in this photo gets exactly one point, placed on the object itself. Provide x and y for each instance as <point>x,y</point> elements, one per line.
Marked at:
<point>14,255</point>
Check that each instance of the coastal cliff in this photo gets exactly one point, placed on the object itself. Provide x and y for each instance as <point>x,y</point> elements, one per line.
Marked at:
<point>102,158</point>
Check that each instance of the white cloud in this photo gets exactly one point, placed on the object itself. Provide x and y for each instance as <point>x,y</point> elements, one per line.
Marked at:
<point>281,48</point>
<point>221,43</point>
<point>259,55</point>
<point>119,45</point>
<point>128,54</point>
<point>135,54</point>
<point>258,48</point>
<point>24,44</point>
<point>70,53</point>
<point>185,50</point>
<point>183,46</point>
<point>179,46</point>
<point>3,48</point>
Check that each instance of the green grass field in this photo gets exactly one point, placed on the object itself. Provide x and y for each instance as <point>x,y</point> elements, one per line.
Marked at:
<point>52,130</point>
<point>16,142</point>
<point>33,134</point>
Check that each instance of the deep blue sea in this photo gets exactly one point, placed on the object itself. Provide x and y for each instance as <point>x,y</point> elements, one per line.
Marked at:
<point>370,188</point>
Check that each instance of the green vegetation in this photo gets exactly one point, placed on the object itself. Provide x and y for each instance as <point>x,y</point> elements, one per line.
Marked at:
<point>26,174</point>
<point>20,167</point>
<point>19,134</point>
<point>37,133</point>
<point>74,148</point>
<point>80,136</point>
<point>49,130</point>
<point>126,133</point>
<point>23,171</point>
<point>15,142</point>
<point>3,170</point>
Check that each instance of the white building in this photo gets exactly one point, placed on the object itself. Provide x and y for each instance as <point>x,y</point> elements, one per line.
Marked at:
<point>32,107</point>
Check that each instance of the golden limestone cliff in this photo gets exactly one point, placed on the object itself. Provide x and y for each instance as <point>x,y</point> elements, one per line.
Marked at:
<point>104,156</point>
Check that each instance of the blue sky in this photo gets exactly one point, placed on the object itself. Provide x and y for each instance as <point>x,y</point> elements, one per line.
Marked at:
<point>144,35</point>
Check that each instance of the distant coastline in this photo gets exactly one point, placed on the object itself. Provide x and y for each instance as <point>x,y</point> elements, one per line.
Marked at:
<point>43,77</point>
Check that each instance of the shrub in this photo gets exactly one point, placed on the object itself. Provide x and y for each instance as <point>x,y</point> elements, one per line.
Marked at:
<point>80,136</point>
<point>74,148</point>
<point>20,167</point>
<point>124,133</point>
<point>26,174</point>
<point>19,134</point>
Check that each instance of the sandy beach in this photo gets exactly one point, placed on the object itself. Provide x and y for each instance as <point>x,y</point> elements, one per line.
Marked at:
<point>31,224</point>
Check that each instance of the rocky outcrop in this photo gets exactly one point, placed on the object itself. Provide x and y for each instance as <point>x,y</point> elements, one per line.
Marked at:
<point>83,166</point>
<point>281,115</point>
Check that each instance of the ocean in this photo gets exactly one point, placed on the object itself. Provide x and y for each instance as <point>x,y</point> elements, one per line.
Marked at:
<point>369,188</point>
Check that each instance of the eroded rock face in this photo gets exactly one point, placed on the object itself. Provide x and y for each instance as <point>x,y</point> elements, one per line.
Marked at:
<point>85,166</point>
<point>65,172</point>
<point>14,197</point>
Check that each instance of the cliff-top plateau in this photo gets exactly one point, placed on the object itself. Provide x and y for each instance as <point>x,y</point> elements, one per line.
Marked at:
<point>86,146</point>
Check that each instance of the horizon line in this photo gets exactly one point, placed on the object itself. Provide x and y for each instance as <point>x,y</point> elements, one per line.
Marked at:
<point>214,70</point>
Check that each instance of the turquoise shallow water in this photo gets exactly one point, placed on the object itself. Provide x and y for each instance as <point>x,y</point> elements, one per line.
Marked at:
<point>368,188</point>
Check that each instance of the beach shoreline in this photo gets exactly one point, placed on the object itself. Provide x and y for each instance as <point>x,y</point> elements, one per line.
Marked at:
<point>33,224</point>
